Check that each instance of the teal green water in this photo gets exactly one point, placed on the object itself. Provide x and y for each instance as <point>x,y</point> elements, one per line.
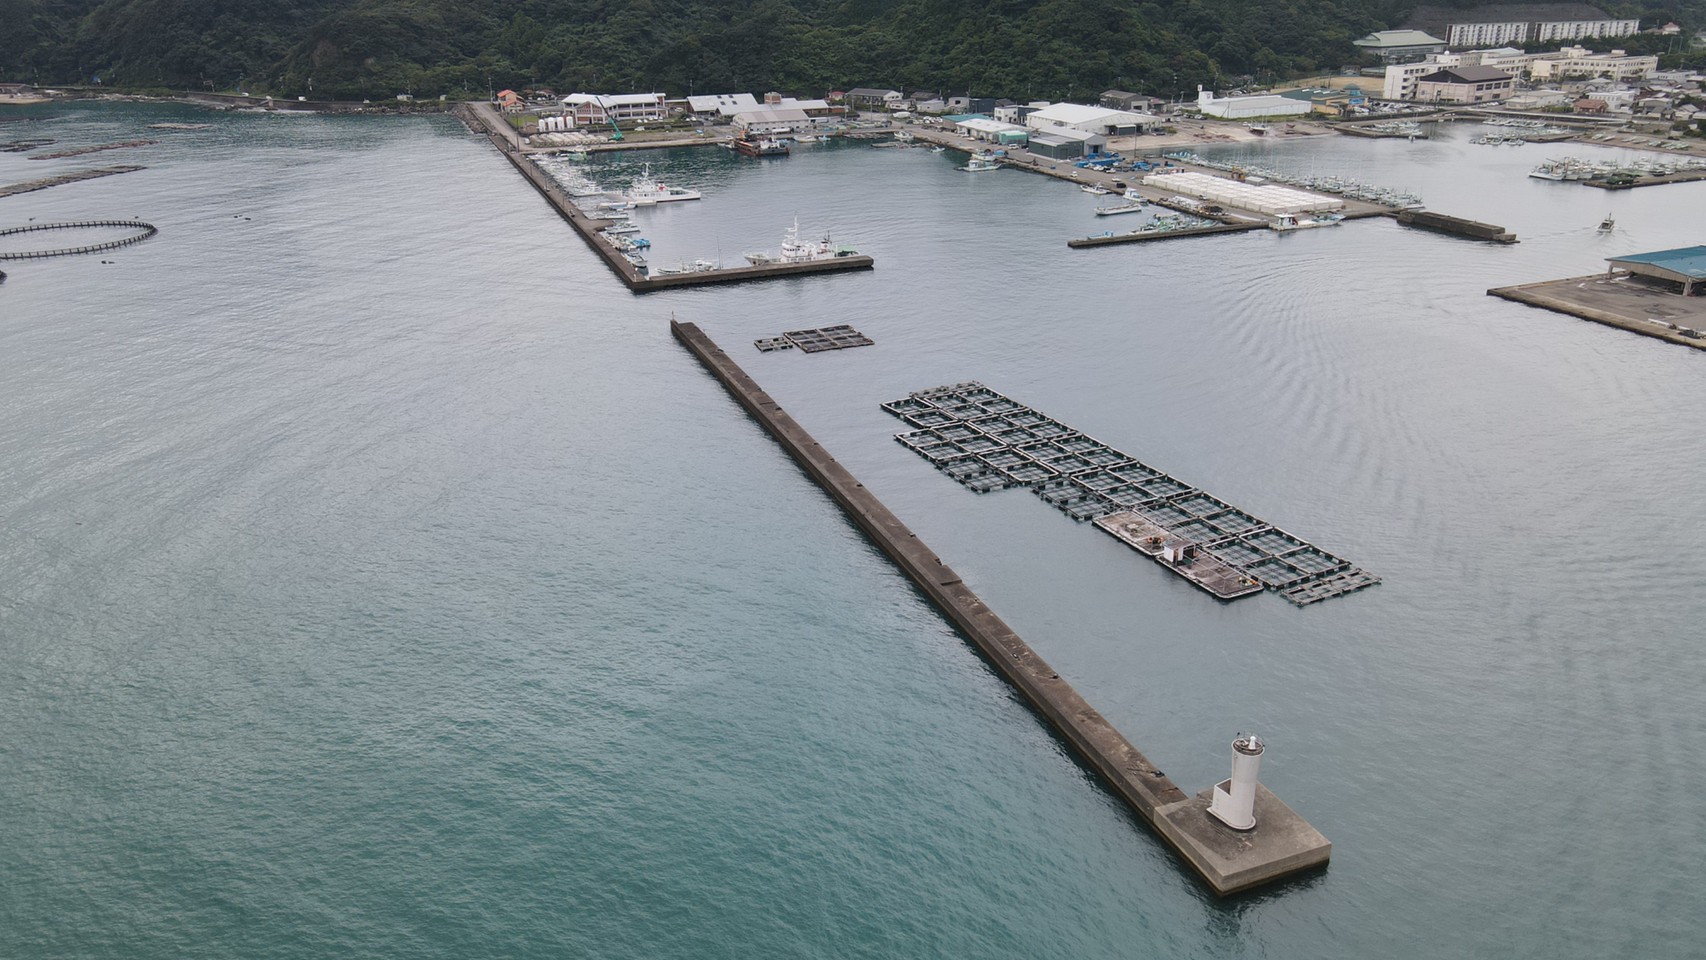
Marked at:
<point>381,579</point>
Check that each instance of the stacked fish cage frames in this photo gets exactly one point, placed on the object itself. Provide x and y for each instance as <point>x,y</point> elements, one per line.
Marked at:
<point>986,442</point>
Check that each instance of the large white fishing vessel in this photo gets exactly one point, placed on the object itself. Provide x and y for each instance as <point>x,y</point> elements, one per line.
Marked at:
<point>795,250</point>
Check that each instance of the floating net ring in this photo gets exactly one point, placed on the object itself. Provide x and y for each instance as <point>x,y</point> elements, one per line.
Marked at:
<point>142,232</point>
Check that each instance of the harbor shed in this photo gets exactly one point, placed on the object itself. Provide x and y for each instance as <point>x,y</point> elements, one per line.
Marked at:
<point>1088,119</point>
<point>1464,85</point>
<point>722,104</point>
<point>1684,265</point>
<point>1065,143</point>
<point>767,120</point>
<point>983,128</point>
<point>1248,108</point>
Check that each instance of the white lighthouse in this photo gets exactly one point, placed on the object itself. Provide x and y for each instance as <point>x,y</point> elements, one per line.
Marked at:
<point>1234,802</point>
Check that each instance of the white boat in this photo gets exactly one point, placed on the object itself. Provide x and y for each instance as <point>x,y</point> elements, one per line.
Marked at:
<point>980,164</point>
<point>1607,225</point>
<point>1291,221</point>
<point>698,266</point>
<point>1134,205</point>
<point>938,149</point>
<point>795,250</point>
<point>647,191</point>
<point>806,138</point>
<point>1097,190</point>
<point>904,137</point>
<point>622,227</point>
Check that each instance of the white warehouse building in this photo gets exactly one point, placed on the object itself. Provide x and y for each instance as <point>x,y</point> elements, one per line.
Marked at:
<point>1087,119</point>
<point>1246,108</point>
<point>1260,197</point>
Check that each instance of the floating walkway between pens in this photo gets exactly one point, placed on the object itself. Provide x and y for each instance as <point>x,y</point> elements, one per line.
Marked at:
<point>143,232</point>
<point>1282,844</point>
<point>64,178</point>
<point>986,442</point>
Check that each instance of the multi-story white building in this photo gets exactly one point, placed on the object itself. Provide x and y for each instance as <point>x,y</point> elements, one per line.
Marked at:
<point>596,108</point>
<point>1584,29</point>
<point>1401,77</point>
<point>1482,34</point>
<point>1578,62</point>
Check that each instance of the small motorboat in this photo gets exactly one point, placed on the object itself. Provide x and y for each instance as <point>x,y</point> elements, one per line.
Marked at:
<point>1607,225</point>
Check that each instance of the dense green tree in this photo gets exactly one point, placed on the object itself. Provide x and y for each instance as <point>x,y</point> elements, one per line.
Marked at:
<point>376,48</point>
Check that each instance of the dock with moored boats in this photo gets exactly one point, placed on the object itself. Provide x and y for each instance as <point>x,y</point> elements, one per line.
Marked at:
<point>630,269</point>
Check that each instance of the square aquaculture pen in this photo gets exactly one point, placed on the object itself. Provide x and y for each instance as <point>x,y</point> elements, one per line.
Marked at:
<point>1276,573</point>
<point>1000,405</point>
<point>1237,521</point>
<point>1048,429</point>
<point>1238,553</point>
<point>906,405</point>
<point>992,423</point>
<point>1273,542</point>
<point>1202,531</point>
<point>1314,560</point>
<point>1003,458</point>
<point>1105,457</point>
<point>956,432</point>
<point>959,409</point>
<point>1098,481</point>
<point>1166,487</point>
<point>1044,451</point>
<point>1013,436</point>
<point>981,444</point>
<point>1079,443</point>
<point>929,418</point>
<point>1136,472</point>
<point>768,344</point>
<point>1164,514</point>
<point>1071,463</point>
<point>1126,495</point>
<point>838,337</point>
<point>1030,472</point>
<point>977,393</point>
<point>1027,418</point>
<point>918,438</point>
<point>1201,504</point>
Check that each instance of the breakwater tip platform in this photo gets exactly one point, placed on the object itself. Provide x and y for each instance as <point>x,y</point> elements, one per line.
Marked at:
<point>1230,861</point>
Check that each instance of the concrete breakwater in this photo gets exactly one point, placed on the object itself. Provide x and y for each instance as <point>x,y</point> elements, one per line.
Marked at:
<point>481,120</point>
<point>1229,861</point>
<point>64,178</point>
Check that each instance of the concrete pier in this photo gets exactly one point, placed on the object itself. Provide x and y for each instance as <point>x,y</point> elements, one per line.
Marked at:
<point>1229,861</point>
<point>1621,303</point>
<point>1457,226</point>
<point>64,178</point>
<point>507,142</point>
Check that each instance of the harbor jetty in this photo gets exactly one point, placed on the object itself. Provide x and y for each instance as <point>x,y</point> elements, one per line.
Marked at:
<point>31,185</point>
<point>81,151</point>
<point>1457,226</point>
<point>1282,844</point>
<point>480,118</point>
<point>1617,302</point>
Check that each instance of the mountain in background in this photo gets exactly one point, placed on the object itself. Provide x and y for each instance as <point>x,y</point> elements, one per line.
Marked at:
<point>356,49</point>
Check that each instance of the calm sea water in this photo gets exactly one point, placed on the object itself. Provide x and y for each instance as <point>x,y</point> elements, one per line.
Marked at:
<point>381,579</point>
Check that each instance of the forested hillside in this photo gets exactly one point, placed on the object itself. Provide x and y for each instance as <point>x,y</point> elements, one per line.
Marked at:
<point>377,48</point>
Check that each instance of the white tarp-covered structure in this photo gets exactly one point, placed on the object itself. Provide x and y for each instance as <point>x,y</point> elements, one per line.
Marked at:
<point>1257,197</point>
